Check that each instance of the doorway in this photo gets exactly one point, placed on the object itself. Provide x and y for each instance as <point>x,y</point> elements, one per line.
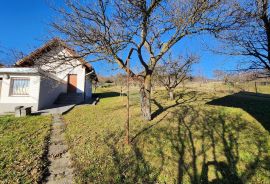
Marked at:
<point>72,83</point>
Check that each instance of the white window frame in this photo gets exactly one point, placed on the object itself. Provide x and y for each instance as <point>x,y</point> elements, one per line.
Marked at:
<point>12,83</point>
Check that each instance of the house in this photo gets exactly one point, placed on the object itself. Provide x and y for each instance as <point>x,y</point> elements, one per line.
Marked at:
<point>51,74</point>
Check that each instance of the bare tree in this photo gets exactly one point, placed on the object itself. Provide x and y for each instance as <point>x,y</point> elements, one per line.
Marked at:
<point>10,56</point>
<point>172,72</point>
<point>1,60</point>
<point>113,30</point>
<point>251,36</point>
<point>16,55</point>
<point>120,80</point>
<point>219,75</point>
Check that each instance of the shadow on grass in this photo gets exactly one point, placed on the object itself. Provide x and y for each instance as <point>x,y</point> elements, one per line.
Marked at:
<point>197,146</point>
<point>257,106</point>
<point>206,143</point>
<point>144,130</point>
<point>107,94</point>
<point>179,100</point>
<point>133,167</point>
<point>122,164</point>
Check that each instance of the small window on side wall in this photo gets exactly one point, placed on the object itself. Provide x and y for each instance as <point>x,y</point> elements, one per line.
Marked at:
<point>19,86</point>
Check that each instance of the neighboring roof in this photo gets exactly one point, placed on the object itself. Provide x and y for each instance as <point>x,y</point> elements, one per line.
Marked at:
<point>1,65</point>
<point>54,43</point>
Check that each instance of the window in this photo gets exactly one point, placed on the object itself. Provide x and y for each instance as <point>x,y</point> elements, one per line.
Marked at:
<point>19,86</point>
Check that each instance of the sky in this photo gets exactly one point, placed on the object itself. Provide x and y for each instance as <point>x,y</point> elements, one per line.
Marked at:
<point>24,26</point>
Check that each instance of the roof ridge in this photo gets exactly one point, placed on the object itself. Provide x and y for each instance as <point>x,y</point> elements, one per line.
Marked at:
<point>56,41</point>
<point>39,49</point>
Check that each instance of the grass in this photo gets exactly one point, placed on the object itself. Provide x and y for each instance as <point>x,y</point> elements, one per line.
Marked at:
<point>259,108</point>
<point>22,143</point>
<point>188,141</point>
<point>229,88</point>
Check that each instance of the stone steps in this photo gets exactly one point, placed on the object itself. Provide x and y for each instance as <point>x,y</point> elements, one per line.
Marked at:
<point>65,99</point>
<point>60,168</point>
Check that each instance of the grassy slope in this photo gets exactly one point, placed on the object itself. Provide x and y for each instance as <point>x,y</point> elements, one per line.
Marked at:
<point>188,141</point>
<point>221,87</point>
<point>21,148</point>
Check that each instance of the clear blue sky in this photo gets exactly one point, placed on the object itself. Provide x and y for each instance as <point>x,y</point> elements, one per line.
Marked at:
<point>24,26</point>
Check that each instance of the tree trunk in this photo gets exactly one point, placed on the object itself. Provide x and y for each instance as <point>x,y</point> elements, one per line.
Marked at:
<point>145,93</point>
<point>127,121</point>
<point>171,94</point>
<point>256,89</point>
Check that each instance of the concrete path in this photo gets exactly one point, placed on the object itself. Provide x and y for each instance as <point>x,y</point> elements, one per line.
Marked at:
<point>55,109</point>
<point>60,168</point>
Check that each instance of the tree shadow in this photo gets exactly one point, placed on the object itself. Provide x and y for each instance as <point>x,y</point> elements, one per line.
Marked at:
<point>133,168</point>
<point>144,130</point>
<point>208,148</point>
<point>194,145</point>
<point>256,105</point>
<point>179,100</point>
<point>124,164</point>
<point>107,94</point>
<point>200,144</point>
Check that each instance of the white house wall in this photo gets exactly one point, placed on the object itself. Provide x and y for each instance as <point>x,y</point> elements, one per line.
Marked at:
<point>43,89</point>
<point>8,102</point>
<point>50,89</point>
<point>62,67</point>
<point>88,88</point>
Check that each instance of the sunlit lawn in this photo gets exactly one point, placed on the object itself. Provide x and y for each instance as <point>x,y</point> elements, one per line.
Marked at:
<point>188,141</point>
<point>233,88</point>
<point>22,142</point>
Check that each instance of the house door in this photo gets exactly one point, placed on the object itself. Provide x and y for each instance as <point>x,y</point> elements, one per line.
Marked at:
<point>72,83</point>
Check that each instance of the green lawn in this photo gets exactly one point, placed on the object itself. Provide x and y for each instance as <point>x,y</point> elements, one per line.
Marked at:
<point>188,141</point>
<point>22,142</point>
<point>231,88</point>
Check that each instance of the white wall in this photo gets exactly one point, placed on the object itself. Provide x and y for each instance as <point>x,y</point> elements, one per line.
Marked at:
<point>50,89</point>
<point>88,88</point>
<point>44,90</point>
<point>8,102</point>
<point>52,62</point>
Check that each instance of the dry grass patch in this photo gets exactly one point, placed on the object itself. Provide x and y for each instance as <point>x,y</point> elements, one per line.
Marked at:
<point>22,142</point>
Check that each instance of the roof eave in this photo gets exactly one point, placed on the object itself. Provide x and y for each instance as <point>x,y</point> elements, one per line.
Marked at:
<point>16,70</point>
